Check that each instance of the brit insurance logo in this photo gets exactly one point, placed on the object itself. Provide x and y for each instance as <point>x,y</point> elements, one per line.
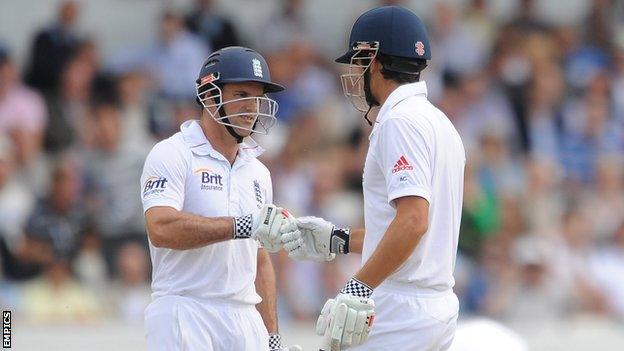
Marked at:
<point>210,180</point>
<point>154,185</point>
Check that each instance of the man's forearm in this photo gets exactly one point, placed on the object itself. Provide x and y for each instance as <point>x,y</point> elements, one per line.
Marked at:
<point>397,244</point>
<point>183,231</point>
<point>265,286</point>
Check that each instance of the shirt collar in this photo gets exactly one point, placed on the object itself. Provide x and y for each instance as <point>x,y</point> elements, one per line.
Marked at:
<point>196,140</point>
<point>399,94</point>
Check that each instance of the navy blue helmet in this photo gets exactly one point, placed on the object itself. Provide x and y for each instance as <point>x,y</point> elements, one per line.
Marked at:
<point>237,64</point>
<point>397,30</point>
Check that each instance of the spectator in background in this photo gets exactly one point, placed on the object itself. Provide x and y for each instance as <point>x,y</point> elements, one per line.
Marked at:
<point>131,290</point>
<point>451,37</point>
<point>16,200</point>
<point>132,89</point>
<point>170,115</point>
<point>68,107</point>
<point>52,48</point>
<point>23,114</point>
<point>543,201</point>
<point>288,22</point>
<point>61,217</point>
<point>608,270</point>
<point>602,203</point>
<point>600,24</point>
<point>530,294</point>
<point>545,94</point>
<point>617,86</point>
<point>570,259</point>
<point>16,203</point>
<point>217,30</point>
<point>526,20</point>
<point>590,131</point>
<point>488,279</point>
<point>499,173</point>
<point>174,58</point>
<point>53,234</point>
<point>57,297</point>
<point>112,172</point>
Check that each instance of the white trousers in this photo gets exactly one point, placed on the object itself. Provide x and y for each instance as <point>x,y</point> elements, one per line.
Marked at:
<point>411,321</point>
<point>177,323</point>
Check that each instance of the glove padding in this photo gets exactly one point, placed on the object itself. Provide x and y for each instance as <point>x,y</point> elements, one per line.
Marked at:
<point>311,242</point>
<point>269,225</point>
<point>346,320</point>
<point>275,344</point>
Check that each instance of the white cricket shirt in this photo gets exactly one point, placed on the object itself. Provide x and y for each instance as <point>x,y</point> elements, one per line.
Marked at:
<point>186,173</point>
<point>415,150</point>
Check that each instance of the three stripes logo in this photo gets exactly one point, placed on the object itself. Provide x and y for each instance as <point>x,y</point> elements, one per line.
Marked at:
<point>402,165</point>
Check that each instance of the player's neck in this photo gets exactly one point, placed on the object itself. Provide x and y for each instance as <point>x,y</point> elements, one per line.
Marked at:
<point>385,89</point>
<point>220,139</point>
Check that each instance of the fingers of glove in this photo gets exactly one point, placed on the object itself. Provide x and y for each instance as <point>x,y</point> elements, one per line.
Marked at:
<point>321,324</point>
<point>337,324</point>
<point>349,327</point>
<point>360,325</point>
<point>291,236</point>
<point>280,227</point>
<point>308,222</point>
<point>288,224</point>
<point>293,245</point>
<point>323,320</point>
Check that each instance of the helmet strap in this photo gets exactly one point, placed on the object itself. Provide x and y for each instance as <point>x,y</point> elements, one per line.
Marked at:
<point>221,112</point>
<point>366,115</point>
<point>370,99</point>
<point>230,129</point>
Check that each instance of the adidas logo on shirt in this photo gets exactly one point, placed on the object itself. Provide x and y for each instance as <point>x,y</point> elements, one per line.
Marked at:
<point>402,165</point>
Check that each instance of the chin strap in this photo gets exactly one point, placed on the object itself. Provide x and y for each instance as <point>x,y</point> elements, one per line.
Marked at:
<point>230,129</point>
<point>370,107</point>
<point>370,99</point>
<point>239,139</point>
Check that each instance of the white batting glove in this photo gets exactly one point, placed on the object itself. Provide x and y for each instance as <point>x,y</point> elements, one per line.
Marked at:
<point>347,320</point>
<point>317,240</point>
<point>266,226</point>
<point>275,344</point>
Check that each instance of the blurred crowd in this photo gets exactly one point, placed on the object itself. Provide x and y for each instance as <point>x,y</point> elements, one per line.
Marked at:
<point>539,106</point>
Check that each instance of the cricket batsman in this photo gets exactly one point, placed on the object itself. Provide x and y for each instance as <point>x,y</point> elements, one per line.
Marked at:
<point>413,188</point>
<point>207,201</point>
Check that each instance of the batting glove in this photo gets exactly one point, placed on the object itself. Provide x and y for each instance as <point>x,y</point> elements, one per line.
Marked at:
<point>347,320</point>
<point>275,344</point>
<point>266,226</point>
<point>317,240</point>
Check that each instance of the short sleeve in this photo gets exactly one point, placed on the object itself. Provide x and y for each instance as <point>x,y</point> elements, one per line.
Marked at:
<point>163,178</point>
<point>405,158</point>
